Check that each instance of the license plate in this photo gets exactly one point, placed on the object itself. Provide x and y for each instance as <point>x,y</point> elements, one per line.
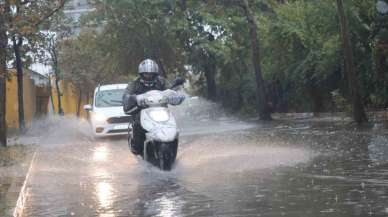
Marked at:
<point>121,127</point>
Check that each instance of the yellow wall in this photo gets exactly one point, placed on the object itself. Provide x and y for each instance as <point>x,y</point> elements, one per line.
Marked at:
<point>69,99</point>
<point>29,92</point>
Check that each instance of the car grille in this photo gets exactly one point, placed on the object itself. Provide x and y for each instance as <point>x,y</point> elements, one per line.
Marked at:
<point>118,120</point>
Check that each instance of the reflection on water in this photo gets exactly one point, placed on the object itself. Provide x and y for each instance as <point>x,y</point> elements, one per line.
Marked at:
<point>104,194</point>
<point>159,196</point>
<point>167,207</point>
<point>107,215</point>
<point>100,153</point>
<point>101,173</point>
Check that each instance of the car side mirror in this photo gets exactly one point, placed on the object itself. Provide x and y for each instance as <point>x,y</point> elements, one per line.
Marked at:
<point>88,107</point>
<point>177,82</point>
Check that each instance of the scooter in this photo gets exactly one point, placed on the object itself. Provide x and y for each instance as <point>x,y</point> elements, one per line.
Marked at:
<point>162,135</point>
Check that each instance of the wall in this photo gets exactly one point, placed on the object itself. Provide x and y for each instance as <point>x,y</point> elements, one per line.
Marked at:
<point>12,106</point>
<point>37,102</point>
<point>69,99</point>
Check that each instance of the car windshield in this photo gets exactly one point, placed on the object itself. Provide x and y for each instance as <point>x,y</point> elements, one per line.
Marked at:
<point>109,98</point>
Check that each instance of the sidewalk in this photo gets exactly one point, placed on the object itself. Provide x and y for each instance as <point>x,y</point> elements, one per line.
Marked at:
<point>14,164</point>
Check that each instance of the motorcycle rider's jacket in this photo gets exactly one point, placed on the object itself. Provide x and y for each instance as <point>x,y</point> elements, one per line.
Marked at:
<point>136,88</point>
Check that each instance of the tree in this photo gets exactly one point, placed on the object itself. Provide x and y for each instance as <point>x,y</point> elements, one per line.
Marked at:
<point>359,114</point>
<point>84,64</point>
<point>294,48</point>
<point>200,44</point>
<point>58,29</point>
<point>139,29</point>
<point>25,19</point>
<point>53,53</point>
<point>250,39</point>
<point>263,109</point>
<point>3,72</point>
<point>301,60</point>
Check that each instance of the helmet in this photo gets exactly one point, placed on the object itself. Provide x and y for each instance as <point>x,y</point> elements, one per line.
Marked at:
<point>149,72</point>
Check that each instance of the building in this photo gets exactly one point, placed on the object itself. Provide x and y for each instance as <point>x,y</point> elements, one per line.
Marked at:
<point>75,9</point>
<point>35,96</point>
<point>39,79</point>
<point>40,98</point>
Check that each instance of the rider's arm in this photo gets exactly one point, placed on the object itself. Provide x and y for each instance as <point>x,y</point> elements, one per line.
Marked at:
<point>129,99</point>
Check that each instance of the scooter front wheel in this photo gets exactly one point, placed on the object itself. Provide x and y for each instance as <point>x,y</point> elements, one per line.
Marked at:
<point>167,155</point>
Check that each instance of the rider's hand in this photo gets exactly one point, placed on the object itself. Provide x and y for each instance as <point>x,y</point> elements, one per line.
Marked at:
<point>176,100</point>
<point>141,102</point>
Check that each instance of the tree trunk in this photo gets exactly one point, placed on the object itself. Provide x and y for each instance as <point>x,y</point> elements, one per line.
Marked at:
<point>54,56</point>
<point>317,101</point>
<point>359,114</point>
<point>79,102</point>
<point>60,110</point>
<point>210,74</point>
<point>3,75</point>
<point>17,43</point>
<point>50,88</point>
<point>263,108</point>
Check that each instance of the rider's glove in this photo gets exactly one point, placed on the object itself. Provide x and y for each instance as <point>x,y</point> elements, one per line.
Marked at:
<point>141,102</point>
<point>176,100</point>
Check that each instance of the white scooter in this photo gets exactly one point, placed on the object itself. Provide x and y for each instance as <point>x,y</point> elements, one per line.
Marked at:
<point>161,144</point>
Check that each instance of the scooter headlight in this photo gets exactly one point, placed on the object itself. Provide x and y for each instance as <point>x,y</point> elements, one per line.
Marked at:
<point>159,115</point>
<point>99,118</point>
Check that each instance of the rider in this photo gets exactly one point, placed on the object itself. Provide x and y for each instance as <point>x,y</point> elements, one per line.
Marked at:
<point>149,79</point>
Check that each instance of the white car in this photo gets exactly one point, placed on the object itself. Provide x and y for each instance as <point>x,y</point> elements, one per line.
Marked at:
<point>106,113</point>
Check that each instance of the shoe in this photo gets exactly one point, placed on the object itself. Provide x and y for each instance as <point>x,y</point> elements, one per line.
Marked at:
<point>134,151</point>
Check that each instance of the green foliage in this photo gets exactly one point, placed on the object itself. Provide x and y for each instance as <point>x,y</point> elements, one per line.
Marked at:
<point>85,63</point>
<point>139,29</point>
<point>301,53</point>
<point>301,45</point>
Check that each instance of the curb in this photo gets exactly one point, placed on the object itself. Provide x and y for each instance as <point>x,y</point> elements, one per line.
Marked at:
<point>20,203</point>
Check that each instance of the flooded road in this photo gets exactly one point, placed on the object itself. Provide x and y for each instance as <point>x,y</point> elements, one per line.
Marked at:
<point>224,168</point>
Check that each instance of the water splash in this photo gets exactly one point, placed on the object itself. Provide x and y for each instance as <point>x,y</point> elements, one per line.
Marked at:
<point>230,153</point>
<point>52,130</point>
<point>196,108</point>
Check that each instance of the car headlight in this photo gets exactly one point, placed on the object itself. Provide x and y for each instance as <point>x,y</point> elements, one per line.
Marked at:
<point>159,115</point>
<point>99,118</point>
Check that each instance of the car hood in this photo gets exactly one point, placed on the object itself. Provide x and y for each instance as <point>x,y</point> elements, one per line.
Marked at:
<point>110,111</point>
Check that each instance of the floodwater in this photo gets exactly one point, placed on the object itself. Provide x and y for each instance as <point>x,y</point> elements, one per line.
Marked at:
<point>224,168</point>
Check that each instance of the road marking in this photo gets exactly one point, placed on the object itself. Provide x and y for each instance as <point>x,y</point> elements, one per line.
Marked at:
<point>18,211</point>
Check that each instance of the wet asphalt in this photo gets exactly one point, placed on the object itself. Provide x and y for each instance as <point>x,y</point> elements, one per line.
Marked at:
<point>224,168</point>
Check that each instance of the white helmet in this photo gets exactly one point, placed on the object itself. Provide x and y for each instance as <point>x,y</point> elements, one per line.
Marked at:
<point>149,72</point>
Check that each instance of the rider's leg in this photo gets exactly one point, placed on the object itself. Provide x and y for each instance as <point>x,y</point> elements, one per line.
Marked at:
<point>138,139</point>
